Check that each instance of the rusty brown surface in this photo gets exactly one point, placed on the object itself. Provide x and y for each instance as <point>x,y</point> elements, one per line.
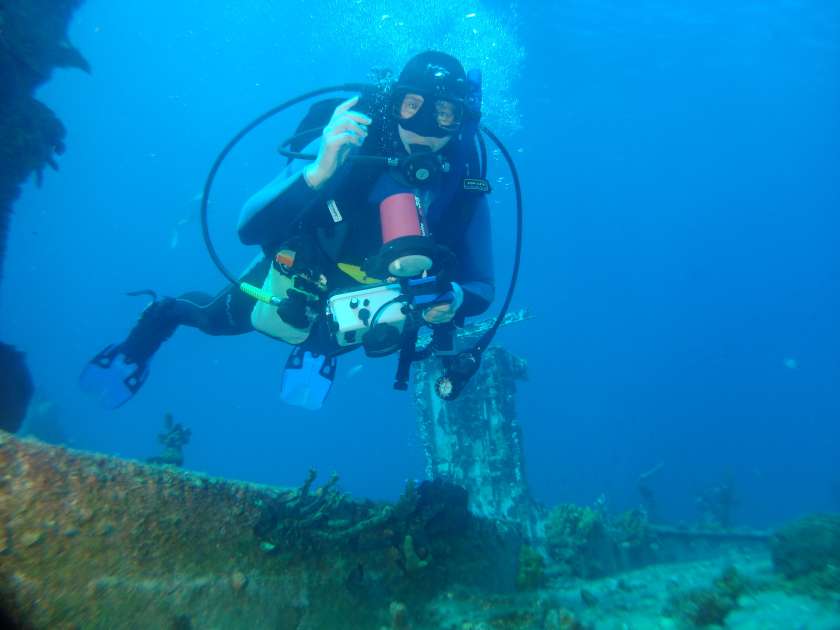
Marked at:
<point>92,541</point>
<point>95,541</point>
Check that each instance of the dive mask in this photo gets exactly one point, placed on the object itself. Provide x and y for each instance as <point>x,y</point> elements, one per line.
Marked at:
<point>427,115</point>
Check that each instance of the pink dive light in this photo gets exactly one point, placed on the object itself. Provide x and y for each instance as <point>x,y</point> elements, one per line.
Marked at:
<point>402,218</point>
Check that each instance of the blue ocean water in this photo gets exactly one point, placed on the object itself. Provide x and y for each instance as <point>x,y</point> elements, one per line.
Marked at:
<point>680,165</point>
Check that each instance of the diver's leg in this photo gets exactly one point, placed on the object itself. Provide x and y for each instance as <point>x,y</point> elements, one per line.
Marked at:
<point>118,371</point>
<point>226,313</point>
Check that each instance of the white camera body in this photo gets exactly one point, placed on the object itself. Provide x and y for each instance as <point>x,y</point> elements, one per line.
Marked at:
<point>351,314</point>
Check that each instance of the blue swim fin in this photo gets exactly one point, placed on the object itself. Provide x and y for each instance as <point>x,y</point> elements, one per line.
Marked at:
<point>119,371</point>
<point>307,378</point>
<point>111,378</point>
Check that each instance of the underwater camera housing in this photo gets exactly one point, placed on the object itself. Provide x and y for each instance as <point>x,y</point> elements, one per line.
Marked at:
<point>377,316</point>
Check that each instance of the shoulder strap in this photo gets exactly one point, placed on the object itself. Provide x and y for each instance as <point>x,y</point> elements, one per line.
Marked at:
<point>463,182</point>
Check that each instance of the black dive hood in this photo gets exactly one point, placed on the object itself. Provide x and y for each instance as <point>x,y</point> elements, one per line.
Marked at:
<point>459,369</point>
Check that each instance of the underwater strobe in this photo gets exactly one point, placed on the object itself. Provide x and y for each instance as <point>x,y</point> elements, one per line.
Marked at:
<point>407,250</point>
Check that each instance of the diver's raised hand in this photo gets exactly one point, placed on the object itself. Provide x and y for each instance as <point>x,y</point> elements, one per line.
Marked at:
<point>346,129</point>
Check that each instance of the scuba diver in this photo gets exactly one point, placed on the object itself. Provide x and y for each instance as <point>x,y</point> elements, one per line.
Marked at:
<point>345,237</point>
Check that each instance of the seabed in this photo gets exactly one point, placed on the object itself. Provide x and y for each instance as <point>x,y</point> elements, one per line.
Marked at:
<point>92,541</point>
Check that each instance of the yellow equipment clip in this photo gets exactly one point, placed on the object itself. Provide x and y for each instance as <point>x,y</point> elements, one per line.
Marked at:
<point>358,274</point>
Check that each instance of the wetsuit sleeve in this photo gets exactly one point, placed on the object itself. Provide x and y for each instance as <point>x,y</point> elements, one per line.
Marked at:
<point>267,215</point>
<point>474,271</point>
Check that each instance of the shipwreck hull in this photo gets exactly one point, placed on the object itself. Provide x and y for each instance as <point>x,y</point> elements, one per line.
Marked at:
<point>93,541</point>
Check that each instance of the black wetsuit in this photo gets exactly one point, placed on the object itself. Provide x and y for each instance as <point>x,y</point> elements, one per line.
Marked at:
<point>226,313</point>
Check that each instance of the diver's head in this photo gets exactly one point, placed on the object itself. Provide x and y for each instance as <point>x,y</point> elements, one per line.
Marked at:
<point>428,100</point>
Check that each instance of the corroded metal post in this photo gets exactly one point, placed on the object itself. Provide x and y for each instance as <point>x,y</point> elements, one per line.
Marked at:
<point>476,441</point>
